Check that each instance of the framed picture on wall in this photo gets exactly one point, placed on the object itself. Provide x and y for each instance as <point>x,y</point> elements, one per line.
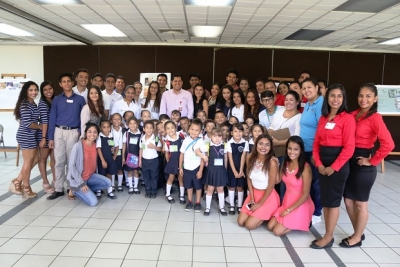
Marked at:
<point>147,78</point>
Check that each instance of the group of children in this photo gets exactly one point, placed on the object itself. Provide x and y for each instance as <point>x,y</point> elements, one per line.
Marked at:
<point>202,154</point>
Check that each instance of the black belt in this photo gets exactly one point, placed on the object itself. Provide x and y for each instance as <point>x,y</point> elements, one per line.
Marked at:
<point>66,128</point>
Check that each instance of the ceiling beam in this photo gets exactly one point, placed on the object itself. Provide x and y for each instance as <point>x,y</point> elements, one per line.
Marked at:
<point>18,12</point>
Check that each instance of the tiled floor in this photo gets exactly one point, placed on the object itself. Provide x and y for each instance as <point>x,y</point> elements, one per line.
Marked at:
<point>134,231</point>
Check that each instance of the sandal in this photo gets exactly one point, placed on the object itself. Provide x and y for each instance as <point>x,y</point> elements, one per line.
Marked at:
<point>27,191</point>
<point>15,187</point>
<point>47,188</point>
<point>71,195</point>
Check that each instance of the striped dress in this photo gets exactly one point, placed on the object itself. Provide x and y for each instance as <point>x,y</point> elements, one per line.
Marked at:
<point>44,112</point>
<point>26,137</point>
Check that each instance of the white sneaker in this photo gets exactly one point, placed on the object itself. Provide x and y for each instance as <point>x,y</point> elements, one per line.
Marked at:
<point>316,219</point>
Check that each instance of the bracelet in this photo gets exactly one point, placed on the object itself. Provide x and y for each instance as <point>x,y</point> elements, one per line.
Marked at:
<point>288,210</point>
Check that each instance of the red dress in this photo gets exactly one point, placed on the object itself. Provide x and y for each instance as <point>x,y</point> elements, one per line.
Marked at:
<point>300,218</point>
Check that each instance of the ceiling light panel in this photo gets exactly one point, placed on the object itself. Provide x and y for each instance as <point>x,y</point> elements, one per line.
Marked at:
<point>308,35</point>
<point>226,3</point>
<point>103,30</point>
<point>369,6</point>
<point>205,31</point>
<point>13,31</point>
<point>58,2</point>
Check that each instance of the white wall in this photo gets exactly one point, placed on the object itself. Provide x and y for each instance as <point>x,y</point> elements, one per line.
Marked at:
<point>19,59</point>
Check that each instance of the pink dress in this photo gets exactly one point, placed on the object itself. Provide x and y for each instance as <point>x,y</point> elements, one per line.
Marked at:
<point>300,218</point>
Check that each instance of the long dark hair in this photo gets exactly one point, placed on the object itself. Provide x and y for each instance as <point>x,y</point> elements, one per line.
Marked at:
<point>220,98</point>
<point>326,109</point>
<point>100,104</point>
<point>22,101</point>
<point>203,96</point>
<point>302,157</point>
<point>374,90</point>
<point>88,126</point>
<point>42,97</point>
<point>254,154</point>
<point>157,101</point>
<point>247,107</point>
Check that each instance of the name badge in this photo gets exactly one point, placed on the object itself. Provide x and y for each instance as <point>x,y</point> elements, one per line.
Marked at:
<point>110,142</point>
<point>143,146</point>
<point>133,141</point>
<point>173,148</point>
<point>119,152</point>
<point>218,162</point>
<point>70,101</point>
<point>330,125</point>
<point>303,105</point>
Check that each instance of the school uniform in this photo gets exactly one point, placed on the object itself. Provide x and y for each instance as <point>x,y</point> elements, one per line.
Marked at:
<point>236,149</point>
<point>150,163</point>
<point>117,135</point>
<point>107,145</point>
<point>216,171</point>
<point>191,162</point>
<point>251,144</point>
<point>172,147</point>
<point>182,134</point>
<point>131,140</point>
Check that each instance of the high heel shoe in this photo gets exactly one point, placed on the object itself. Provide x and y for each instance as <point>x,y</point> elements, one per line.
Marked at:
<point>27,190</point>
<point>47,188</point>
<point>15,187</point>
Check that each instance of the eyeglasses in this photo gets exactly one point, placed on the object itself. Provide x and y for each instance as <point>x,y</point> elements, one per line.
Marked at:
<point>269,99</point>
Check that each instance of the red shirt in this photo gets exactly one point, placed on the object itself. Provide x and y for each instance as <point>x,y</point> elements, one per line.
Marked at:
<point>89,160</point>
<point>342,135</point>
<point>303,104</point>
<point>279,100</point>
<point>370,129</point>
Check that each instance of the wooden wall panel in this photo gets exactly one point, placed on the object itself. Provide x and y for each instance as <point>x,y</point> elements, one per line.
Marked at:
<point>186,60</point>
<point>391,74</point>
<point>250,63</point>
<point>60,59</point>
<point>289,63</point>
<point>352,70</point>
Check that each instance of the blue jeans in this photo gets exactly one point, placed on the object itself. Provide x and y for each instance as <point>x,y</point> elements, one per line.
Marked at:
<point>150,174</point>
<point>95,182</point>
<point>315,191</point>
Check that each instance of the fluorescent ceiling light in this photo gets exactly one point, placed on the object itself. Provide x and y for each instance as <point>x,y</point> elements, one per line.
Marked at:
<point>307,35</point>
<point>103,30</point>
<point>206,31</point>
<point>210,2</point>
<point>394,41</point>
<point>10,30</point>
<point>367,6</point>
<point>58,2</point>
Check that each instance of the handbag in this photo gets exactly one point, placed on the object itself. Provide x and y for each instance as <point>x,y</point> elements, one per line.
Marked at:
<point>132,160</point>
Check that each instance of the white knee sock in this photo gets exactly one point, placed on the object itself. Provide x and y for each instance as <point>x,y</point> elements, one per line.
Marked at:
<point>240,199</point>
<point>221,200</point>
<point>208,201</point>
<point>136,181</point>
<point>232,198</point>
<point>113,180</point>
<point>130,181</point>
<point>120,177</point>
<point>168,191</point>
<point>182,191</point>
<point>109,190</point>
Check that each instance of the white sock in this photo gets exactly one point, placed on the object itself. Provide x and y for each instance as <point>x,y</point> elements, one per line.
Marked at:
<point>113,180</point>
<point>208,201</point>
<point>109,189</point>
<point>182,191</point>
<point>126,174</point>
<point>232,198</point>
<point>136,181</point>
<point>120,177</point>
<point>168,191</point>
<point>130,181</point>
<point>221,200</point>
<point>240,199</point>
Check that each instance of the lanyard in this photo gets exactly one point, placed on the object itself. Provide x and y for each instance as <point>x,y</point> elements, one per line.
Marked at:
<point>192,143</point>
<point>215,151</point>
<point>266,111</point>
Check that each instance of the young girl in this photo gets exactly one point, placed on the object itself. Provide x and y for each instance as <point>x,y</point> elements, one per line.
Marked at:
<point>201,115</point>
<point>246,132</point>
<point>237,109</point>
<point>237,148</point>
<point>225,99</point>
<point>250,122</point>
<point>225,131</point>
<point>116,131</point>
<point>216,171</point>
<point>145,115</point>
<point>297,207</point>
<point>130,142</point>
<point>107,154</point>
<point>233,120</point>
<point>212,100</point>
<point>199,100</point>
<point>127,114</point>
<point>148,159</point>
<point>184,123</point>
<point>256,130</point>
<point>176,117</point>
<point>209,125</point>
<point>171,149</point>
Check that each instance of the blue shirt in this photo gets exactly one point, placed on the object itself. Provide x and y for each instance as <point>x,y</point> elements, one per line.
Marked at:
<point>309,122</point>
<point>65,111</point>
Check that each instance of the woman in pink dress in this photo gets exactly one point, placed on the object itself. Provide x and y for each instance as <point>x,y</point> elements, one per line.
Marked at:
<point>297,207</point>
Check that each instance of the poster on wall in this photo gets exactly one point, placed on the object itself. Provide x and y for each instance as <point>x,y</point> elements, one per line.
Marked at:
<point>9,92</point>
<point>147,78</point>
<point>389,99</point>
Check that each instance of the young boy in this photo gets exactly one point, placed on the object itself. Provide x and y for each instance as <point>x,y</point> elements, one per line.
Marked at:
<point>148,159</point>
<point>219,117</point>
<point>192,169</point>
<point>184,123</point>
<point>145,115</point>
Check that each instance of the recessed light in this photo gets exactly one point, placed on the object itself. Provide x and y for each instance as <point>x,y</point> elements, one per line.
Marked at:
<point>308,35</point>
<point>206,31</point>
<point>394,41</point>
<point>58,2</point>
<point>11,30</point>
<point>210,2</point>
<point>367,6</point>
<point>103,30</point>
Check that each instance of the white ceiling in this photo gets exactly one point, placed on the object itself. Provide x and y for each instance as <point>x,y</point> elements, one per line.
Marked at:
<point>254,23</point>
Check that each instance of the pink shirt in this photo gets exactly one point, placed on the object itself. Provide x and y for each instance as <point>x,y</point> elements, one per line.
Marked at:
<point>182,101</point>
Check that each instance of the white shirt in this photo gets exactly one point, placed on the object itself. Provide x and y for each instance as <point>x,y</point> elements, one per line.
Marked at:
<point>190,160</point>
<point>244,149</point>
<point>110,99</point>
<point>98,141</point>
<point>150,107</point>
<point>259,178</point>
<point>237,112</point>
<point>265,118</point>
<point>149,153</point>
<point>117,137</point>
<point>169,138</point>
<point>84,93</point>
<point>129,131</point>
<point>280,122</point>
<point>121,107</point>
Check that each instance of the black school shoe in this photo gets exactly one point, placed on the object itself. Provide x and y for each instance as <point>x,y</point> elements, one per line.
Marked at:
<point>232,211</point>
<point>120,189</point>
<point>182,200</point>
<point>55,195</point>
<point>197,207</point>
<point>206,212</point>
<point>223,212</point>
<point>147,195</point>
<point>154,195</point>
<point>170,199</point>
<point>189,206</point>
<point>111,195</point>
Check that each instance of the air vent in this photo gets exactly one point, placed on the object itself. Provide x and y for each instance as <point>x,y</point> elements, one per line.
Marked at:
<point>170,30</point>
<point>6,39</point>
